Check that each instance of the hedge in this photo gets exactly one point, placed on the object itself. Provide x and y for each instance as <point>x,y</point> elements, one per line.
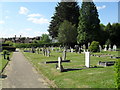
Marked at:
<point>9,48</point>
<point>29,45</point>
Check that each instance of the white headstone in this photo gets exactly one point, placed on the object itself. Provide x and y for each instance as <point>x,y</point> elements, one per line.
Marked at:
<point>59,62</point>
<point>71,50</point>
<point>87,59</point>
<point>105,49</point>
<point>100,48</point>
<point>114,47</point>
<point>64,55</point>
<point>109,48</point>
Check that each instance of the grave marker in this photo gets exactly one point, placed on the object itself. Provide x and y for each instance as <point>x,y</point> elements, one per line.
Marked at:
<point>60,67</point>
<point>87,59</point>
<point>105,49</point>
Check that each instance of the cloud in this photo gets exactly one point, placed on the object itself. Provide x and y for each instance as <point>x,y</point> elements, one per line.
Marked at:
<point>6,17</point>
<point>101,7</point>
<point>28,29</point>
<point>34,15</point>
<point>23,10</point>
<point>2,22</point>
<point>38,20</point>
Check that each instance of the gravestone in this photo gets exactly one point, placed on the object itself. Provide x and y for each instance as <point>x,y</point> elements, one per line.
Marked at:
<point>59,66</point>
<point>105,49</point>
<point>87,59</point>
<point>114,47</point>
<point>76,48</point>
<point>48,52</point>
<point>109,49</point>
<point>52,48</point>
<point>71,50</point>
<point>64,55</point>
<point>100,48</point>
<point>88,45</point>
<point>43,51</point>
<point>79,50</point>
<point>33,50</point>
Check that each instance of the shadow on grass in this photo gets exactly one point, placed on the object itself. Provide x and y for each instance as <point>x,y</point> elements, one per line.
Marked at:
<point>71,69</point>
<point>3,76</point>
<point>97,67</point>
<point>75,69</point>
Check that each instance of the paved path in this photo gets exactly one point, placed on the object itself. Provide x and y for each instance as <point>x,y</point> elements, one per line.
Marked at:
<point>21,74</point>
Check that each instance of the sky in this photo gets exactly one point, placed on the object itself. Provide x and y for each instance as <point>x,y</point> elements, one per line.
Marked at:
<point>31,19</point>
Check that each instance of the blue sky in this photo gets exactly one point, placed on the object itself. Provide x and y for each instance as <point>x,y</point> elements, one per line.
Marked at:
<point>31,19</point>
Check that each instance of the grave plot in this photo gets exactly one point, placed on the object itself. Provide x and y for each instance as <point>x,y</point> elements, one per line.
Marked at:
<point>76,68</point>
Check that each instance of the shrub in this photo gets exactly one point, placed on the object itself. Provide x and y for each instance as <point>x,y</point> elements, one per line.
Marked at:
<point>94,47</point>
<point>117,74</point>
<point>9,48</point>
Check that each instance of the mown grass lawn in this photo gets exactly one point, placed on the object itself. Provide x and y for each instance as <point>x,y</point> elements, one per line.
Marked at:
<point>100,77</point>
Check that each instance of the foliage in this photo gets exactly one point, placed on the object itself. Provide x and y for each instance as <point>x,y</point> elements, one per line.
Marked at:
<point>103,35</point>
<point>115,34</point>
<point>94,47</point>
<point>9,42</point>
<point>117,74</point>
<point>29,45</point>
<point>108,42</point>
<point>64,11</point>
<point>67,33</point>
<point>88,26</point>
<point>9,48</point>
<point>45,38</point>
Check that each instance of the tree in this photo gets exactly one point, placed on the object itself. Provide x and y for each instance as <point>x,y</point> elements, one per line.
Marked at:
<point>113,32</point>
<point>45,38</point>
<point>64,11</point>
<point>88,26</point>
<point>67,33</point>
<point>94,47</point>
<point>103,35</point>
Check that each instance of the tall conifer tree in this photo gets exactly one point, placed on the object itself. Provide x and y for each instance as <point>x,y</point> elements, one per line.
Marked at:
<point>65,10</point>
<point>88,23</point>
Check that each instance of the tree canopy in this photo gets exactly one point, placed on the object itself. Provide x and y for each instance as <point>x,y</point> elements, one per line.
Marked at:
<point>64,11</point>
<point>67,33</point>
<point>88,26</point>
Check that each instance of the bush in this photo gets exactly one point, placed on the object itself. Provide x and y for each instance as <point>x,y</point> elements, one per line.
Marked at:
<point>117,74</point>
<point>29,45</point>
<point>94,47</point>
<point>9,48</point>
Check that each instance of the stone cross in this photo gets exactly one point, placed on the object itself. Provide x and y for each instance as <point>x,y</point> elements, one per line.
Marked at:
<point>87,59</point>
